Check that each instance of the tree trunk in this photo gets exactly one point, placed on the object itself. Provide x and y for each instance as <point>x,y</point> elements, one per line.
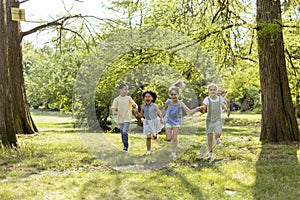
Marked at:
<point>278,116</point>
<point>297,107</point>
<point>14,111</point>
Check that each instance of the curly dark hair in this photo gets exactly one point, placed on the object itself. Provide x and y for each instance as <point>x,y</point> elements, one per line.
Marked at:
<point>153,94</point>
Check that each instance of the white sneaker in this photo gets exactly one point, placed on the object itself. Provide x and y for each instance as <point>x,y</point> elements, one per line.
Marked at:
<point>219,143</point>
<point>210,155</point>
<point>173,155</point>
<point>148,153</point>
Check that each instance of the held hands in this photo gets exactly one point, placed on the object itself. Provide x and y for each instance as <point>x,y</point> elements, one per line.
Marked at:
<point>136,110</point>
<point>162,120</point>
<point>201,109</point>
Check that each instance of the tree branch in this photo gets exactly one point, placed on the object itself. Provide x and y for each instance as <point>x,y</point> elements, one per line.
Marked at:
<point>184,45</point>
<point>76,33</point>
<point>41,27</point>
<point>23,1</point>
<point>290,59</point>
<point>60,22</point>
<point>287,26</point>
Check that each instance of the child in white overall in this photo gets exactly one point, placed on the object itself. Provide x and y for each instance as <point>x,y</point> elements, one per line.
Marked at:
<point>213,104</point>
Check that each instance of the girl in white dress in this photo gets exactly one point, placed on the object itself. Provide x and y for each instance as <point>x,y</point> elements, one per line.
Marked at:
<point>153,122</point>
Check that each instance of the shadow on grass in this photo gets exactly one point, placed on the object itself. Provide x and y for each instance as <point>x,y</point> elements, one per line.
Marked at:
<point>277,173</point>
<point>101,188</point>
<point>102,147</point>
<point>193,189</point>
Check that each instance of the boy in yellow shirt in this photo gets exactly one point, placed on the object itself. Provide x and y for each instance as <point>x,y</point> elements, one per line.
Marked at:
<point>122,109</point>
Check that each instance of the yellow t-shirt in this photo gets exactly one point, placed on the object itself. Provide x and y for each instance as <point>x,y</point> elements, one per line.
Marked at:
<point>123,104</point>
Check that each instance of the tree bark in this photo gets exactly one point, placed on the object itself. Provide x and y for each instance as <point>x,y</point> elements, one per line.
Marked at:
<point>15,117</point>
<point>279,124</point>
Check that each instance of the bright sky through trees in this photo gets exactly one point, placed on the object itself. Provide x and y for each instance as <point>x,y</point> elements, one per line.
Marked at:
<point>38,12</point>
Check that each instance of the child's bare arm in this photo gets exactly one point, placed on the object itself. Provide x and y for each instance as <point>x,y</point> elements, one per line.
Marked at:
<point>139,114</point>
<point>189,111</point>
<point>159,114</point>
<point>203,108</point>
<point>164,109</point>
<point>227,108</point>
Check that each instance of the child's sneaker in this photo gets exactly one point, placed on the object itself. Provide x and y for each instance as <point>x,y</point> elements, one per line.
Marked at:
<point>219,143</point>
<point>173,155</point>
<point>210,155</point>
<point>148,153</point>
<point>125,150</point>
<point>157,138</point>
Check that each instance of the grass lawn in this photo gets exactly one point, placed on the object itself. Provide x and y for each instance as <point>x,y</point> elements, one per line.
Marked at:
<point>59,163</point>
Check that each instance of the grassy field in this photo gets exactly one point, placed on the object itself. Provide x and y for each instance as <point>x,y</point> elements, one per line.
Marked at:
<point>59,163</point>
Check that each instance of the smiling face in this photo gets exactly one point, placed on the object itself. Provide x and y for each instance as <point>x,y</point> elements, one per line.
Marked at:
<point>173,94</point>
<point>148,98</point>
<point>212,91</point>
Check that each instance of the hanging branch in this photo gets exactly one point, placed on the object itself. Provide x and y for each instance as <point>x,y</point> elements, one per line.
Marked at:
<point>61,22</point>
<point>58,22</point>
<point>23,1</point>
<point>290,59</point>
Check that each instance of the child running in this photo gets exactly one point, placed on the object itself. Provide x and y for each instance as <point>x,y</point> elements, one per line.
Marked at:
<point>122,108</point>
<point>172,112</point>
<point>152,123</point>
<point>213,104</point>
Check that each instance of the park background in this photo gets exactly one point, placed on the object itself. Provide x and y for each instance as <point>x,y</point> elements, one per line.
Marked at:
<point>226,46</point>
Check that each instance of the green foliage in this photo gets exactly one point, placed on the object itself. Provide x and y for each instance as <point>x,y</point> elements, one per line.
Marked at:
<point>291,37</point>
<point>50,74</point>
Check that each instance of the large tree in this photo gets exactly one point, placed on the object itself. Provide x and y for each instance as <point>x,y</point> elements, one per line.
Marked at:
<point>279,122</point>
<point>14,112</point>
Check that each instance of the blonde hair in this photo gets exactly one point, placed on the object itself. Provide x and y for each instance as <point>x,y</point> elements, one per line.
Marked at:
<point>220,90</point>
<point>212,85</point>
<point>177,86</point>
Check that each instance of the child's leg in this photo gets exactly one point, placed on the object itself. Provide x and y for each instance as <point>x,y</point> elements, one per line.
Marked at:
<point>124,133</point>
<point>210,141</point>
<point>174,138</point>
<point>168,134</point>
<point>148,142</point>
<point>218,134</point>
<point>121,131</point>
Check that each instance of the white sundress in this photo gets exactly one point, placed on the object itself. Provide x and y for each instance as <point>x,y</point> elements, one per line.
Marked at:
<point>151,124</point>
